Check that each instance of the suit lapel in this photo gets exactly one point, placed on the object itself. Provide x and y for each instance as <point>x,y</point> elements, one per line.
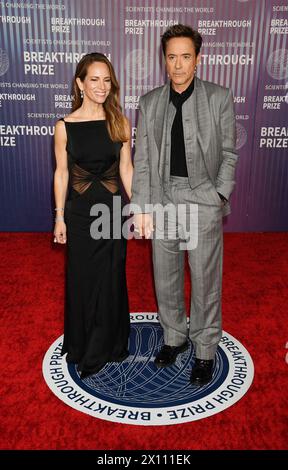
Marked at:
<point>160,118</point>
<point>202,115</point>
<point>161,124</point>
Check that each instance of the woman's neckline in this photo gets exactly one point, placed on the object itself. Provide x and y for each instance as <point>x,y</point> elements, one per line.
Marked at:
<point>80,122</point>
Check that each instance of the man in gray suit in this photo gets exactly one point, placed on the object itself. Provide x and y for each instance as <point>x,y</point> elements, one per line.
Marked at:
<point>185,157</point>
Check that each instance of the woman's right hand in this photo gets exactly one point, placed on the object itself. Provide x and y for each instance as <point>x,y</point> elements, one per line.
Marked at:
<point>143,224</point>
<point>60,232</point>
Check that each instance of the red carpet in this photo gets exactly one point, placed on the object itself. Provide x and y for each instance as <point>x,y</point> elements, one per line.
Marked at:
<point>255,312</point>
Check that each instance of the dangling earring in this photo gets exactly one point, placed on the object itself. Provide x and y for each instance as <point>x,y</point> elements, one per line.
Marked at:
<point>82,94</point>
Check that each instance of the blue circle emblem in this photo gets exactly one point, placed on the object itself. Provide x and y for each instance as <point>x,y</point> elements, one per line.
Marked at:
<point>137,392</point>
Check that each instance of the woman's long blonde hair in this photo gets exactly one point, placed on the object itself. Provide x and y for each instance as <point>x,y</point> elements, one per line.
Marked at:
<point>114,117</point>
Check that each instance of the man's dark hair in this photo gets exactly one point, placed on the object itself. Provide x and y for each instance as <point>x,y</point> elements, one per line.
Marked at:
<point>180,31</point>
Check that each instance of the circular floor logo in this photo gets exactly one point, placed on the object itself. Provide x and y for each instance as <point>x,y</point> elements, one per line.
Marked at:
<point>137,392</point>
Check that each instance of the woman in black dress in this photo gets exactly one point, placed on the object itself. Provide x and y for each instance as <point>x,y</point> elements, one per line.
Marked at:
<point>92,148</point>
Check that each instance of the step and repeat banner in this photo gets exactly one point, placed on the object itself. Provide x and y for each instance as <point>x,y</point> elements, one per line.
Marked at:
<point>244,47</point>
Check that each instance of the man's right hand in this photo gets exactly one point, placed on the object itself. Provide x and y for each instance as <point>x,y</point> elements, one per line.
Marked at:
<point>143,224</point>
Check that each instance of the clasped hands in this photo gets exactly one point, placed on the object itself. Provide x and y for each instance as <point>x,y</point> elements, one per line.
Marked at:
<point>143,225</point>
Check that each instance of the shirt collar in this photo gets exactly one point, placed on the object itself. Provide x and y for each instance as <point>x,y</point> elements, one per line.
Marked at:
<point>179,98</point>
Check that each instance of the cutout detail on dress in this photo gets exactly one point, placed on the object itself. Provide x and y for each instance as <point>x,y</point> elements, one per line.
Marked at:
<point>81,179</point>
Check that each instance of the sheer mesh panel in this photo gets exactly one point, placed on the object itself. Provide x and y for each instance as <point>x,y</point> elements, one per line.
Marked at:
<point>82,179</point>
<point>110,179</point>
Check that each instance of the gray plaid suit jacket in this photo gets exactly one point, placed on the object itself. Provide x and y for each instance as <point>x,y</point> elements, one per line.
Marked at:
<point>214,134</point>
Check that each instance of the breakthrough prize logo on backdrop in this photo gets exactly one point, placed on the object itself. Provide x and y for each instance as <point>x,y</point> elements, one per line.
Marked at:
<point>277,64</point>
<point>137,392</point>
<point>4,62</point>
<point>241,136</point>
<point>139,64</point>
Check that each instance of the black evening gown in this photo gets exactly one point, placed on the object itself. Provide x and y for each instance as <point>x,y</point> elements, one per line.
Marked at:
<point>96,326</point>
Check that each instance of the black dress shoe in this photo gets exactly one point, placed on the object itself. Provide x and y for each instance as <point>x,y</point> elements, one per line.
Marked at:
<point>202,372</point>
<point>167,354</point>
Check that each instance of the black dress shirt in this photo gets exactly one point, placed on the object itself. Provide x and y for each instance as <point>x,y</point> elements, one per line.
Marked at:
<point>178,165</point>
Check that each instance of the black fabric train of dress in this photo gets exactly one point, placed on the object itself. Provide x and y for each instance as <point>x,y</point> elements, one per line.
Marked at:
<point>96,326</point>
